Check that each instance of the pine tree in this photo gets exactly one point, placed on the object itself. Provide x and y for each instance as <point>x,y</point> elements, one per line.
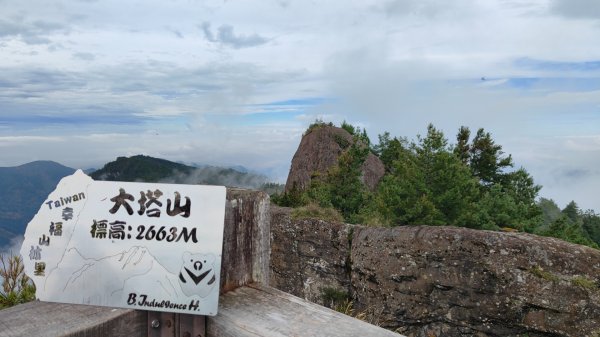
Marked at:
<point>486,159</point>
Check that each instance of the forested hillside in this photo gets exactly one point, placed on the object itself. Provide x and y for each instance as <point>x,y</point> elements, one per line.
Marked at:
<point>149,169</point>
<point>22,190</point>
<point>139,168</point>
<point>470,183</point>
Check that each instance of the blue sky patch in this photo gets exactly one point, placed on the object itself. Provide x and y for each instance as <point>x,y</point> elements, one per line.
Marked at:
<point>556,84</point>
<point>269,117</point>
<point>533,64</point>
<point>547,84</point>
<point>310,101</point>
<point>71,119</point>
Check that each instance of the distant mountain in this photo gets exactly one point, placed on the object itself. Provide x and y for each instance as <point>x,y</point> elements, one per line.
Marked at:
<point>24,188</point>
<point>89,171</point>
<point>148,169</point>
<point>22,191</point>
<point>238,168</point>
<point>140,168</point>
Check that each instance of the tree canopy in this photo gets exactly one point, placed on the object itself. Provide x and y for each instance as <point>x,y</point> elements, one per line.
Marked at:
<point>430,181</point>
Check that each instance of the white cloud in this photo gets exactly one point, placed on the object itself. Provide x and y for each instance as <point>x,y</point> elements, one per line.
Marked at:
<point>430,9</point>
<point>583,144</point>
<point>163,111</point>
<point>84,56</point>
<point>6,141</point>
<point>12,248</point>
<point>115,78</point>
<point>31,32</point>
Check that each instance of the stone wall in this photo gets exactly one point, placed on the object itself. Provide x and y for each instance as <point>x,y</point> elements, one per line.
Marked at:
<point>309,256</point>
<point>441,281</point>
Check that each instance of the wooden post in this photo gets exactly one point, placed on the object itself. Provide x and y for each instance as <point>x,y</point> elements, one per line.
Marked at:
<point>246,257</point>
<point>246,240</point>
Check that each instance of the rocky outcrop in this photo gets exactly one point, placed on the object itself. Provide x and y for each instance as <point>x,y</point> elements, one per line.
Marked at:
<point>319,150</point>
<point>442,281</point>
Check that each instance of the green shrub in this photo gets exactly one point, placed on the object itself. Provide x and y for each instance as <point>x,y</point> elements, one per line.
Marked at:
<point>318,123</point>
<point>341,141</point>
<point>293,198</point>
<point>349,127</point>
<point>334,298</point>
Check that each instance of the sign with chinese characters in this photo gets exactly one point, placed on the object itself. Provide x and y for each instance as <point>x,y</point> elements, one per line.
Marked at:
<point>142,246</point>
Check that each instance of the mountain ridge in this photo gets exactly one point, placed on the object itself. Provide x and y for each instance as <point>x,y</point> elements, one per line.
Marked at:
<point>23,188</point>
<point>150,169</point>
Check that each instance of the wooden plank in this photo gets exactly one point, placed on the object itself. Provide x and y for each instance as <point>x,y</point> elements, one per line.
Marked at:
<point>246,240</point>
<point>191,326</point>
<point>259,311</point>
<point>56,319</point>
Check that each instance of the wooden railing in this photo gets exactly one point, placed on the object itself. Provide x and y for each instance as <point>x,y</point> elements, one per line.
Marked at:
<point>247,305</point>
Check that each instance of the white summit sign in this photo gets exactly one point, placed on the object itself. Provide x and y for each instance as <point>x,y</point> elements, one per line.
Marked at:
<point>131,245</point>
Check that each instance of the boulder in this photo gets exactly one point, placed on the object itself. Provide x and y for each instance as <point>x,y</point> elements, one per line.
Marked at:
<point>319,150</point>
<point>425,281</point>
<point>449,281</point>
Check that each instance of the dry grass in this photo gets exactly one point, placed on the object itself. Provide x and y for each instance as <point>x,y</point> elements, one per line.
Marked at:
<point>541,273</point>
<point>583,282</point>
<point>314,211</point>
<point>369,315</point>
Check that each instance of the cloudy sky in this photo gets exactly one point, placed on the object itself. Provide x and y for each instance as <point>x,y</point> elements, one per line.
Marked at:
<point>237,82</point>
